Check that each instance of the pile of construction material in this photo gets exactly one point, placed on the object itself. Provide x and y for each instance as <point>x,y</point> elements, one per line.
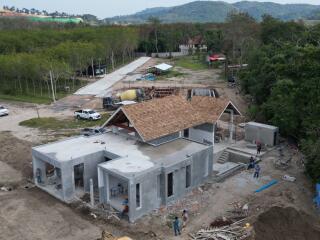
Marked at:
<point>234,231</point>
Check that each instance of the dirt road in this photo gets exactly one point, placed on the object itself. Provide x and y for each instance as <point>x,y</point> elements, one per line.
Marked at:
<point>24,111</point>
<point>100,87</point>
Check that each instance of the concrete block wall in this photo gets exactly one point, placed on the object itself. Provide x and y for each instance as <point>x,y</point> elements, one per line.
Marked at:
<point>179,180</point>
<point>264,134</point>
<point>67,180</point>
<point>239,157</point>
<point>202,165</point>
<point>149,198</point>
<point>168,54</point>
<point>201,168</point>
<point>90,169</point>
<point>67,171</point>
<point>201,136</point>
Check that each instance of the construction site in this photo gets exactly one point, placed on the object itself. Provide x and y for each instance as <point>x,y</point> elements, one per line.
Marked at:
<point>175,140</point>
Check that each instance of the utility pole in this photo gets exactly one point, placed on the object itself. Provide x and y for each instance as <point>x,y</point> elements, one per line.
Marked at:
<point>53,96</point>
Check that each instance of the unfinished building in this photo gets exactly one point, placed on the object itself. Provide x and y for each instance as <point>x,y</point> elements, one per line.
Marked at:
<point>154,153</point>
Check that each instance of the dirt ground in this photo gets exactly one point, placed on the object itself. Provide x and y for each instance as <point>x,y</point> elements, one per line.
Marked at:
<point>24,111</point>
<point>212,78</point>
<point>214,200</point>
<point>33,214</point>
<point>286,224</point>
<point>29,213</point>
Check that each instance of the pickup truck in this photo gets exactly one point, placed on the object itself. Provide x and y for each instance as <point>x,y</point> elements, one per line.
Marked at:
<point>3,111</point>
<point>88,114</point>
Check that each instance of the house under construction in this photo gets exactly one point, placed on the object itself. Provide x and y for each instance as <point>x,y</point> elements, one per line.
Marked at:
<point>153,153</point>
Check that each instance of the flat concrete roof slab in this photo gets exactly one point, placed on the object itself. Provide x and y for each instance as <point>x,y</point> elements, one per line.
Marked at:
<point>134,156</point>
<point>129,165</point>
<point>261,125</point>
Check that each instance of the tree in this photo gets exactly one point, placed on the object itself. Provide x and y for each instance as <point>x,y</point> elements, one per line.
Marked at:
<point>242,31</point>
<point>155,22</point>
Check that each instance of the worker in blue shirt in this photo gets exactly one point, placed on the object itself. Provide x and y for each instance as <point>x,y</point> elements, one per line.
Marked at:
<point>176,226</point>
<point>256,171</point>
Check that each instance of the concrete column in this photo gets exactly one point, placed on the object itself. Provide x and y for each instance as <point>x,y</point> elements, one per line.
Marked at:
<point>38,164</point>
<point>67,180</point>
<point>231,126</point>
<point>91,193</point>
<point>132,201</point>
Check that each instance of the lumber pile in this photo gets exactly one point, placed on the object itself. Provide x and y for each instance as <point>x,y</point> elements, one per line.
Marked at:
<point>234,231</point>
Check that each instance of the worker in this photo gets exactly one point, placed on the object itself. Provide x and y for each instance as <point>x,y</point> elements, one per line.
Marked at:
<point>251,163</point>
<point>125,204</point>
<point>259,146</point>
<point>256,171</point>
<point>38,175</point>
<point>185,218</point>
<point>176,226</point>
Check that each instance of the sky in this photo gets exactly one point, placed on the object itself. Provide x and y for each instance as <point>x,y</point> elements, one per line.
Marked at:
<point>110,8</point>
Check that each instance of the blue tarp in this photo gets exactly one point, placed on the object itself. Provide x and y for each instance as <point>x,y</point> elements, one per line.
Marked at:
<point>317,198</point>
<point>266,186</point>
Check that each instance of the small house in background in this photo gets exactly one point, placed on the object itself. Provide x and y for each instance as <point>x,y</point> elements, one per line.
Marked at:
<point>193,44</point>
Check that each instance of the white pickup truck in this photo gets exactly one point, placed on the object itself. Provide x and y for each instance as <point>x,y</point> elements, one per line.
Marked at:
<point>88,114</point>
<point>3,111</point>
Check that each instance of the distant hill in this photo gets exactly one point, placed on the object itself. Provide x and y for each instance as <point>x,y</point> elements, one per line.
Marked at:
<point>216,11</point>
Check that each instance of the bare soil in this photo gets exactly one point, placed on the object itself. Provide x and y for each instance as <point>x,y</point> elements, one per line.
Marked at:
<point>286,224</point>
<point>16,154</point>
<point>33,214</point>
<point>217,200</point>
<point>29,214</point>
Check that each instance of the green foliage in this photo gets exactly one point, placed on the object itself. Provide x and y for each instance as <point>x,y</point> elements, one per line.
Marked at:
<point>26,98</point>
<point>170,74</point>
<point>28,56</point>
<point>199,11</point>
<point>51,123</point>
<point>283,79</point>
<point>191,62</point>
<point>217,11</point>
<point>311,148</point>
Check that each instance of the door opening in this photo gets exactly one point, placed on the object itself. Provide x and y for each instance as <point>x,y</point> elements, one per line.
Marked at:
<point>78,175</point>
<point>170,184</point>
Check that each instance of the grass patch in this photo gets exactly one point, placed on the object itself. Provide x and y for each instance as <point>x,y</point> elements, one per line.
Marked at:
<point>170,74</point>
<point>26,98</point>
<point>191,62</point>
<point>31,99</point>
<point>51,123</point>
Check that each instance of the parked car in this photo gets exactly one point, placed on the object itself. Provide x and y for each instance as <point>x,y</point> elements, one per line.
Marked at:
<point>88,114</point>
<point>3,111</point>
<point>92,131</point>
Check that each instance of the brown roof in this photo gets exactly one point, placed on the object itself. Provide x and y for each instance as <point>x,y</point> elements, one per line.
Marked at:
<point>195,40</point>
<point>160,117</point>
<point>210,108</point>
